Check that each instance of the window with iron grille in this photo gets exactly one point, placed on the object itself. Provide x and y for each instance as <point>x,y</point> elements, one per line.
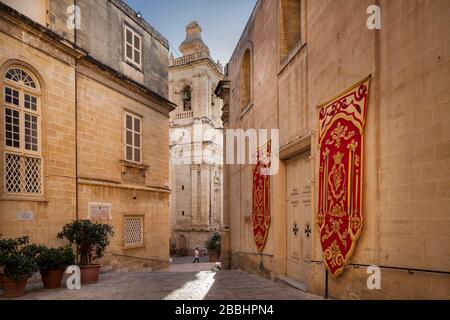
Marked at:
<point>22,125</point>
<point>133,47</point>
<point>133,230</point>
<point>133,134</point>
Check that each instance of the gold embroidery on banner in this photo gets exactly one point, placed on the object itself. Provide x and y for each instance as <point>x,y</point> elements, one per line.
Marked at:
<point>337,117</point>
<point>336,180</point>
<point>335,228</point>
<point>336,211</point>
<point>337,176</point>
<point>340,132</point>
<point>334,255</point>
<point>349,106</point>
<point>355,223</point>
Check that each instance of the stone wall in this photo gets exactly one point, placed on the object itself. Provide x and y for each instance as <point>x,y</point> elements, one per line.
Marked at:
<point>100,169</point>
<point>100,133</point>
<point>261,114</point>
<point>194,239</point>
<point>102,35</point>
<point>56,74</point>
<point>128,202</point>
<point>83,107</point>
<point>406,182</point>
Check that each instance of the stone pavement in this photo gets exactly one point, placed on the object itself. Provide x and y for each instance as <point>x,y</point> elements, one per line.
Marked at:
<point>195,282</point>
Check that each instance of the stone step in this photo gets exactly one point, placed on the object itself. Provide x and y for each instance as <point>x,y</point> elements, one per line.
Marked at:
<point>292,282</point>
<point>190,267</point>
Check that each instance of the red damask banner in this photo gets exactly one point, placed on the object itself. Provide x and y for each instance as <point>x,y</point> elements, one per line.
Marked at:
<point>261,195</point>
<point>339,215</point>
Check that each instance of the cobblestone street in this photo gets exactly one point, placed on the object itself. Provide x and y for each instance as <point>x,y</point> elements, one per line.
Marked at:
<point>180,281</point>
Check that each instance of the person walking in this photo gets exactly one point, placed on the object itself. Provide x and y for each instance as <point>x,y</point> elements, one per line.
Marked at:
<point>196,256</point>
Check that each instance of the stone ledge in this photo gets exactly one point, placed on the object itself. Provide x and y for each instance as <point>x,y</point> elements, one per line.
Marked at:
<point>140,166</point>
<point>24,198</point>
<point>92,182</point>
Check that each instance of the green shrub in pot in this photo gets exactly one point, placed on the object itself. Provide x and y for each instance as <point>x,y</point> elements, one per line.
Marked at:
<point>17,265</point>
<point>91,240</point>
<point>52,263</point>
<point>214,247</point>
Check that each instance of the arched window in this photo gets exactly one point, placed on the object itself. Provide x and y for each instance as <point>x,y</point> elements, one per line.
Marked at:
<point>186,98</point>
<point>246,79</point>
<point>22,137</point>
<point>290,27</point>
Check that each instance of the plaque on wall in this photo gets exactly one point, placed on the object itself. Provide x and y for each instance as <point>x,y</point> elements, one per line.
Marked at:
<point>99,211</point>
<point>25,216</point>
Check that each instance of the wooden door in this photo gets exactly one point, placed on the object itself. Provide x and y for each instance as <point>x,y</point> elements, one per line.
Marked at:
<point>298,226</point>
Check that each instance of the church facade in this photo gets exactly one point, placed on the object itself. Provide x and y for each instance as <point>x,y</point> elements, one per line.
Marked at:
<point>357,104</point>
<point>85,126</point>
<point>195,145</point>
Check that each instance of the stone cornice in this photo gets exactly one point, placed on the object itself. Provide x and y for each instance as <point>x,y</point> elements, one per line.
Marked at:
<point>296,146</point>
<point>190,64</point>
<point>222,88</point>
<point>223,92</point>
<point>132,14</point>
<point>165,106</point>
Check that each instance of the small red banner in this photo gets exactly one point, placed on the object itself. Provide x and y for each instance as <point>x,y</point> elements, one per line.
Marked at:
<point>261,196</point>
<point>339,215</point>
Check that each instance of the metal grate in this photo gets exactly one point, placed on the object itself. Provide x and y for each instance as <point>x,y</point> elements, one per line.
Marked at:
<point>23,175</point>
<point>133,231</point>
<point>13,173</point>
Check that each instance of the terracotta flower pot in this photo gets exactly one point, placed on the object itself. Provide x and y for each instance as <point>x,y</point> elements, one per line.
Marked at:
<point>90,273</point>
<point>52,278</point>
<point>13,289</point>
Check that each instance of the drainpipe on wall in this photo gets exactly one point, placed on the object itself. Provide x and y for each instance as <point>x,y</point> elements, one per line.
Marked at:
<point>210,203</point>
<point>76,115</point>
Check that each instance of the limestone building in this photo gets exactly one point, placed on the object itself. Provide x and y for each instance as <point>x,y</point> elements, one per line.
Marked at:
<point>195,144</point>
<point>85,125</point>
<point>295,55</point>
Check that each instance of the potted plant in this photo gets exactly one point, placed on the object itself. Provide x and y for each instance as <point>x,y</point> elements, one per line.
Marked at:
<point>52,262</point>
<point>17,265</point>
<point>213,246</point>
<point>91,240</point>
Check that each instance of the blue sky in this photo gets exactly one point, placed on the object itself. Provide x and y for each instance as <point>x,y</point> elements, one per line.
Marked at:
<point>222,21</point>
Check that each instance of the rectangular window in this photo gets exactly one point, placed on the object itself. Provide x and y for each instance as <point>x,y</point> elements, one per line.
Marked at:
<point>30,102</point>
<point>133,230</point>
<point>31,132</point>
<point>133,141</point>
<point>133,47</point>
<point>12,128</point>
<point>12,96</point>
